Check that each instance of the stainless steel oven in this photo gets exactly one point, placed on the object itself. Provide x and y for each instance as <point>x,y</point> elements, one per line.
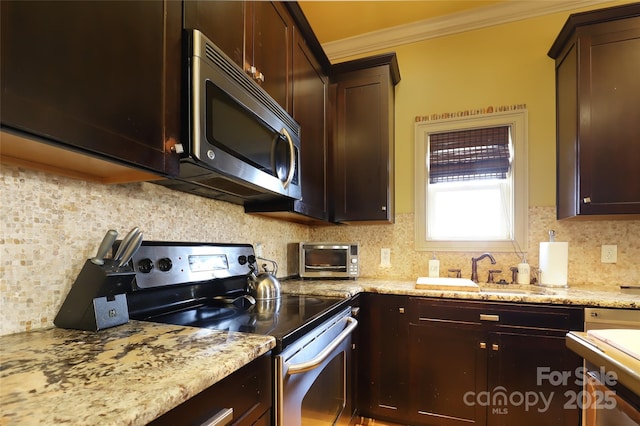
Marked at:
<point>313,376</point>
<point>204,285</point>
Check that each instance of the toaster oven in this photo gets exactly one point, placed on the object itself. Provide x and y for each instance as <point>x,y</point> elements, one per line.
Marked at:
<point>329,260</point>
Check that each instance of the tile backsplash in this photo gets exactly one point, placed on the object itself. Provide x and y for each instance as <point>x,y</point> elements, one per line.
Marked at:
<point>584,237</point>
<point>51,224</point>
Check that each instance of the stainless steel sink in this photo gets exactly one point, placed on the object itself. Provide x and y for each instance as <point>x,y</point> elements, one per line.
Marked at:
<point>506,290</point>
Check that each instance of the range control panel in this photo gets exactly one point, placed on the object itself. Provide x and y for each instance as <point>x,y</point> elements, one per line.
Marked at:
<point>158,263</point>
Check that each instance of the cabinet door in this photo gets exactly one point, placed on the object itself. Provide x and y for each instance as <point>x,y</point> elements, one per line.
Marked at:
<point>609,90</point>
<point>223,22</point>
<point>258,36</point>
<point>99,77</point>
<point>597,59</point>
<point>270,49</point>
<point>448,373</point>
<point>310,87</point>
<point>525,384</point>
<point>363,148</point>
<point>383,373</point>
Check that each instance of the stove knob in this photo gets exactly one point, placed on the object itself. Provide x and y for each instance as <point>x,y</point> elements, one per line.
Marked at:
<point>145,266</point>
<point>165,264</point>
<point>242,259</point>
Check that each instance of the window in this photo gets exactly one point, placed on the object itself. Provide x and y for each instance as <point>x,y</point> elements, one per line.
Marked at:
<point>471,183</point>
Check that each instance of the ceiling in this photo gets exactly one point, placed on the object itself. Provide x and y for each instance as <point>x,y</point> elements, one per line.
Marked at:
<point>354,27</point>
<point>337,20</point>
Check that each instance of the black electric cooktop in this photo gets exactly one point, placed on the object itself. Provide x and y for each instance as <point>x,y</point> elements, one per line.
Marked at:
<point>186,284</point>
<point>286,319</point>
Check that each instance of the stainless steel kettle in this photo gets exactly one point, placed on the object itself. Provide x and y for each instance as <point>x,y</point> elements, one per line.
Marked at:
<point>263,285</point>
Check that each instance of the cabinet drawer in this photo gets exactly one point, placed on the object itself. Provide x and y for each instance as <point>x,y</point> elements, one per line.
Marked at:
<point>499,316</point>
<point>247,391</point>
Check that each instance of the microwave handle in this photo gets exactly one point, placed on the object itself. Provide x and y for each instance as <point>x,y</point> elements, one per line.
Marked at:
<point>292,158</point>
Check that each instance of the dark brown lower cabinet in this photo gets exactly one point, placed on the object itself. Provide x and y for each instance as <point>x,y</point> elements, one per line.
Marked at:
<point>446,365</point>
<point>383,358</point>
<point>494,364</point>
<point>456,362</point>
<point>248,391</point>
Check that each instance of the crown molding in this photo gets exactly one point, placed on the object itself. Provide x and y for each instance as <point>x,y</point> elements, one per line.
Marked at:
<point>487,16</point>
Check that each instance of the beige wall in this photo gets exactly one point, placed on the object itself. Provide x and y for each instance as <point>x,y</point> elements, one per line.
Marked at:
<point>500,65</point>
<point>51,224</point>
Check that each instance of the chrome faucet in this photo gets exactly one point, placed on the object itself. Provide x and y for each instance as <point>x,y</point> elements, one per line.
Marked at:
<point>474,265</point>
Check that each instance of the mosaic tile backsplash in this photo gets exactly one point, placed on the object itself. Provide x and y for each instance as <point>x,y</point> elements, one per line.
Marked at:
<point>51,225</point>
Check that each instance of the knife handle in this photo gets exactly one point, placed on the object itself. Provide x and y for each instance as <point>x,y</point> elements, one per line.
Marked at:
<point>124,243</point>
<point>105,245</point>
<point>131,249</point>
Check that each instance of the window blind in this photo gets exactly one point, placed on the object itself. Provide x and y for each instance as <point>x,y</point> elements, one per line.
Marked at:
<point>469,155</point>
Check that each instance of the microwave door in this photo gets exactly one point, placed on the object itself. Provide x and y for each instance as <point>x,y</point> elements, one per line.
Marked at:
<point>239,144</point>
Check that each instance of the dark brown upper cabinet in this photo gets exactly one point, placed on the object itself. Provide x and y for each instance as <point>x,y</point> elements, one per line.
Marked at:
<point>97,78</point>
<point>258,36</point>
<point>597,56</point>
<point>362,146</point>
<point>310,91</point>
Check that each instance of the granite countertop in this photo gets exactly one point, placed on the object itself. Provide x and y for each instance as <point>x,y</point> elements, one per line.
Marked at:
<point>575,296</point>
<point>135,372</point>
<point>125,375</point>
<point>603,354</point>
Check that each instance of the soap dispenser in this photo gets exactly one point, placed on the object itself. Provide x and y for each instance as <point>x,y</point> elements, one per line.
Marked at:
<point>524,271</point>
<point>434,267</point>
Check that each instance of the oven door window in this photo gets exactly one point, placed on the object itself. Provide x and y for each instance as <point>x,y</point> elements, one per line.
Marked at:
<point>325,399</point>
<point>334,260</point>
<point>238,132</point>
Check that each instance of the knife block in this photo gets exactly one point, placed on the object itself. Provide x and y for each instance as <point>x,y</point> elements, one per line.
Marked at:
<point>97,299</point>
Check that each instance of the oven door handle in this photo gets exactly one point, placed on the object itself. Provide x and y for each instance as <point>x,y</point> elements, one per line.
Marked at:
<point>303,367</point>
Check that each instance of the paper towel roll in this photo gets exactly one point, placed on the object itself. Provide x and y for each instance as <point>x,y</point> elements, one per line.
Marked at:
<point>554,263</point>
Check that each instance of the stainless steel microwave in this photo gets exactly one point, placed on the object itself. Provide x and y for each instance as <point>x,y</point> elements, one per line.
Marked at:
<point>329,260</point>
<point>242,145</point>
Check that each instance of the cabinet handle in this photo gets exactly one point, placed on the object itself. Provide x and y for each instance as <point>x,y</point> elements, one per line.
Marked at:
<point>495,347</point>
<point>388,407</point>
<point>221,418</point>
<point>487,317</point>
<point>483,345</point>
<point>586,200</point>
<point>401,310</point>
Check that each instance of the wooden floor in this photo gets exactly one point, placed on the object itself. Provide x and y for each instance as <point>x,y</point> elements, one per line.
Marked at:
<point>363,421</point>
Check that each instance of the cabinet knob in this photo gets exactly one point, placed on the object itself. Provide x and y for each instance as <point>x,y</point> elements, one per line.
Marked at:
<point>255,73</point>
<point>495,347</point>
<point>401,310</point>
<point>483,345</point>
<point>586,200</point>
<point>383,208</point>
